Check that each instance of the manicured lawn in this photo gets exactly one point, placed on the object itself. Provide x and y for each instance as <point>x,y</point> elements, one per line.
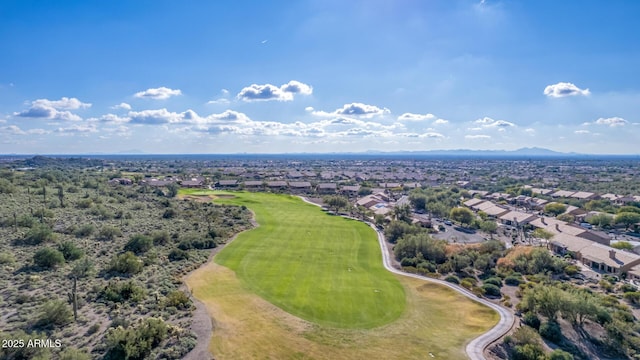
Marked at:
<point>321,268</point>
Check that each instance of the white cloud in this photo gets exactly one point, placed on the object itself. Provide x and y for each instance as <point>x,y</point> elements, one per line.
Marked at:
<point>441,122</point>
<point>415,117</point>
<point>530,130</point>
<point>581,132</point>
<point>155,117</point>
<point>77,129</point>
<point>64,103</point>
<point>54,109</point>
<point>268,92</point>
<point>355,109</point>
<point>111,118</point>
<point>563,89</point>
<point>487,122</point>
<point>477,137</point>
<point>160,93</point>
<point>612,121</point>
<point>122,106</point>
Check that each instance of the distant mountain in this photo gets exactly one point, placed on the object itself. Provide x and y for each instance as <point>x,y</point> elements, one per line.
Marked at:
<point>527,151</point>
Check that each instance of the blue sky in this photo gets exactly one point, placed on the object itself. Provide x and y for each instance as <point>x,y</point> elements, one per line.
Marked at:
<point>318,76</point>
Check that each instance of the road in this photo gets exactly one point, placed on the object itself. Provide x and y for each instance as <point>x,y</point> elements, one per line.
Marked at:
<point>475,349</point>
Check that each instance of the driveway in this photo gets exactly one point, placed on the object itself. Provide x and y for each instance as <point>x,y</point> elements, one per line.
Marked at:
<point>459,235</point>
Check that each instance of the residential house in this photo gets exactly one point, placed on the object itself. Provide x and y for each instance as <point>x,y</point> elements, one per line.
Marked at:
<point>327,188</point>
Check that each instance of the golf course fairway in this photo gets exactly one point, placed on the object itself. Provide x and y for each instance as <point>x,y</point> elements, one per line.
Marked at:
<point>322,268</point>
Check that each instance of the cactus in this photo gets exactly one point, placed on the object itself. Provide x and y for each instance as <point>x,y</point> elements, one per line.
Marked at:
<point>73,299</point>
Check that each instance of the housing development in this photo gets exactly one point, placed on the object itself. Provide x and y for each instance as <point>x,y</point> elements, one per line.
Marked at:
<point>548,245</point>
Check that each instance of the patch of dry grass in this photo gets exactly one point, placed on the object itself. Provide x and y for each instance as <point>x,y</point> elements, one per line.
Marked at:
<point>437,321</point>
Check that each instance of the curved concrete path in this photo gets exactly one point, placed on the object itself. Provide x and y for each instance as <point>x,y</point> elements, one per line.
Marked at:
<point>475,349</point>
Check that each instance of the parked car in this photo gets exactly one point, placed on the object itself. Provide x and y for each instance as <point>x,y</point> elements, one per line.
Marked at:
<point>448,222</point>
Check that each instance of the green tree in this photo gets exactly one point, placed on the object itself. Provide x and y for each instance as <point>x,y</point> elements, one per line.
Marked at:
<point>402,213</point>
<point>622,245</point>
<point>172,190</point>
<point>70,251</point>
<point>336,202</point>
<point>461,215</point>
<point>398,229</point>
<point>48,258</point>
<point>555,208</point>
<point>127,263</point>
<point>542,234</point>
<point>488,226</point>
<point>38,234</point>
<point>139,244</point>
<point>627,219</point>
<point>418,201</point>
<point>601,220</point>
<point>53,314</point>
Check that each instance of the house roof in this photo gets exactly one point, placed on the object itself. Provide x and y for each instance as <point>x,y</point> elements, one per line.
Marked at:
<point>351,188</point>
<point>331,186</point>
<point>562,193</point>
<point>583,195</point>
<point>519,217</point>
<point>472,202</point>
<point>495,210</point>
<point>299,184</point>
<point>556,226</point>
<point>602,254</point>
<point>253,183</point>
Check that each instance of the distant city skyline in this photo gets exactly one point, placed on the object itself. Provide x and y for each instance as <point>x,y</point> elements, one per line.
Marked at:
<point>318,76</point>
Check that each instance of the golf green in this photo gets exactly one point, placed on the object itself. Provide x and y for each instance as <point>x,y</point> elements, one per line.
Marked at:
<point>322,268</point>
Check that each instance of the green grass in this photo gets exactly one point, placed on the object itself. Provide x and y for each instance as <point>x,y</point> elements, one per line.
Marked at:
<point>321,268</point>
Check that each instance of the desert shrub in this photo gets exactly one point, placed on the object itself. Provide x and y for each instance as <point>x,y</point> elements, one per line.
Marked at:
<point>452,279</point>
<point>108,233</point>
<point>178,299</point>
<point>52,314</point>
<point>467,283</point>
<point>93,329</point>
<point>178,254</point>
<point>83,268</point>
<point>122,291</point>
<point>7,258</point>
<point>512,280</point>
<point>531,319</point>
<point>73,354</point>
<point>528,352</point>
<point>135,342</point>
<point>558,354</point>
<point>127,263</point>
<point>139,244</point>
<point>48,258</point>
<point>571,270</point>
<point>27,221</point>
<point>39,234</point>
<point>632,297</point>
<point>6,187</point>
<point>627,288</point>
<point>169,214</point>
<point>84,230</point>
<point>493,281</point>
<point>70,251</point>
<point>84,203</point>
<point>408,261</point>
<point>160,237</point>
<point>550,330</point>
<point>491,290</point>
<point>43,213</point>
